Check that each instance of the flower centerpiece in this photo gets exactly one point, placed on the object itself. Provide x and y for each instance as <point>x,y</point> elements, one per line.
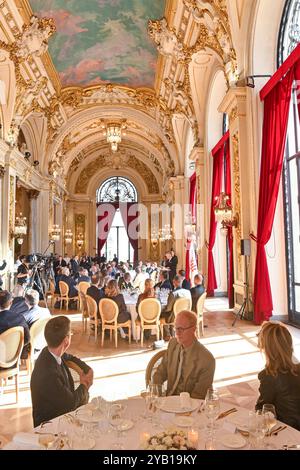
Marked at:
<point>173,439</point>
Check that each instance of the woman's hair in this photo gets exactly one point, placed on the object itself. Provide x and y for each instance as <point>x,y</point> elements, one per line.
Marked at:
<point>112,289</point>
<point>149,289</point>
<point>275,340</point>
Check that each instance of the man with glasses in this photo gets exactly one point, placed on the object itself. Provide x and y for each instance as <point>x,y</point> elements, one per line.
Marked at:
<point>187,365</point>
<point>52,386</point>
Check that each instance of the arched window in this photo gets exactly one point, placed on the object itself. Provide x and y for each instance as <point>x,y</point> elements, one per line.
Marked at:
<point>117,189</point>
<point>288,39</point>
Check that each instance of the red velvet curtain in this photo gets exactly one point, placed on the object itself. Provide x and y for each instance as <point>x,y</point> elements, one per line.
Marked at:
<point>229,234</point>
<point>105,216</point>
<point>276,113</point>
<point>130,215</point>
<point>218,155</point>
<point>192,202</point>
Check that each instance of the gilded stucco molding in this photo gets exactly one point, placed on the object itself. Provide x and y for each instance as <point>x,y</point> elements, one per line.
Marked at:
<point>237,199</point>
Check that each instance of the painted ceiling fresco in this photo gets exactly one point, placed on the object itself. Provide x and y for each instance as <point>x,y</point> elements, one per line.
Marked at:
<point>100,41</point>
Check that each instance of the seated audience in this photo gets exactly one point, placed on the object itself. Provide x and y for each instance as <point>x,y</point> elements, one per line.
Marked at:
<point>65,277</point>
<point>35,312</point>
<point>112,292</point>
<point>185,282</point>
<point>280,379</point>
<point>167,312</point>
<point>141,275</point>
<point>18,305</point>
<point>187,365</point>
<point>51,384</point>
<point>10,319</point>
<point>197,291</point>
<point>83,276</point>
<point>96,291</point>
<point>164,282</point>
<point>125,282</point>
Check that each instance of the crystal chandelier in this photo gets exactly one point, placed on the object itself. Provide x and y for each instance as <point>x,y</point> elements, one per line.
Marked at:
<point>20,228</point>
<point>80,240</point>
<point>114,132</point>
<point>68,236</point>
<point>224,213</point>
<point>55,233</point>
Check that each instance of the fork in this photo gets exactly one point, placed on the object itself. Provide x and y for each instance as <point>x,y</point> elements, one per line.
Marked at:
<point>281,428</point>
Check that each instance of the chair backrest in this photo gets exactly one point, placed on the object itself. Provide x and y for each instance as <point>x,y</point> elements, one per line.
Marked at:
<point>200,305</point>
<point>83,286</point>
<point>63,288</point>
<point>153,365</point>
<point>37,336</point>
<point>91,307</point>
<point>74,370</point>
<point>181,304</point>
<point>142,286</point>
<point>52,286</point>
<point>11,345</point>
<point>109,311</point>
<point>84,305</point>
<point>149,310</point>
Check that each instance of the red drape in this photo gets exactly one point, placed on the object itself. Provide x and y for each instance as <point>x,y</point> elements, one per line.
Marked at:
<point>105,215</point>
<point>192,202</point>
<point>276,112</point>
<point>218,155</point>
<point>229,234</point>
<point>130,215</point>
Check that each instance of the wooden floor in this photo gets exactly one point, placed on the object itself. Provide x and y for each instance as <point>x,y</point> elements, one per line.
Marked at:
<point>120,373</point>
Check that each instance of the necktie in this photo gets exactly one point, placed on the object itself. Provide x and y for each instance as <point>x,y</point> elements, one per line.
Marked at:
<point>179,371</point>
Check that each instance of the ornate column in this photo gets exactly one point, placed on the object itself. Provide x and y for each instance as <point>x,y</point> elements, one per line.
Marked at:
<point>243,186</point>
<point>33,194</point>
<point>179,187</point>
<point>8,214</point>
<point>44,222</point>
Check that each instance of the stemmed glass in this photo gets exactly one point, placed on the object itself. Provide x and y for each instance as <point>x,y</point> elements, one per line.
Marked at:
<point>212,407</point>
<point>269,416</point>
<point>146,394</point>
<point>116,421</point>
<point>154,402</point>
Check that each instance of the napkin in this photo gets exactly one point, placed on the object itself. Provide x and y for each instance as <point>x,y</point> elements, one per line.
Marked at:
<point>27,438</point>
<point>185,401</point>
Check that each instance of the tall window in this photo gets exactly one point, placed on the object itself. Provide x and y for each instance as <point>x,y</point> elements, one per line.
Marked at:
<point>289,38</point>
<point>115,190</point>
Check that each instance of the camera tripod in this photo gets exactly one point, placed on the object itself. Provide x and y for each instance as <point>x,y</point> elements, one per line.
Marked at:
<point>244,309</point>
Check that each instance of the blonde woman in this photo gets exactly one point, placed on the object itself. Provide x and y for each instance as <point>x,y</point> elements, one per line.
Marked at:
<point>112,292</point>
<point>280,379</point>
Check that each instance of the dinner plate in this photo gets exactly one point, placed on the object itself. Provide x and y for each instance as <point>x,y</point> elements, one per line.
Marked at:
<point>173,405</point>
<point>234,441</point>
<point>184,421</point>
<point>125,425</point>
<point>85,444</point>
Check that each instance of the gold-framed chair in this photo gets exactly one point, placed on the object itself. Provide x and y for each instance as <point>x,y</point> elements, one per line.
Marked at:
<point>75,371</point>
<point>11,345</point>
<point>92,314</point>
<point>82,289</point>
<point>149,313</point>
<point>37,341</point>
<point>109,312</point>
<point>51,292</point>
<point>200,308</point>
<point>153,365</point>
<point>180,304</point>
<point>64,294</point>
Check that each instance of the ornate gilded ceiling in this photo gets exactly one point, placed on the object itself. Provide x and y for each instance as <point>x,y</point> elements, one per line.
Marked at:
<point>102,41</point>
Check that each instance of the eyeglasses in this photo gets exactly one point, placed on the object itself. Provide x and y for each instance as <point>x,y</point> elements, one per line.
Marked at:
<point>180,329</point>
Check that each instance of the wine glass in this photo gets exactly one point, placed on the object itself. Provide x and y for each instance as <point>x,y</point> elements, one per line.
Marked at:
<point>212,406</point>
<point>145,394</point>
<point>269,417</point>
<point>116,421</point>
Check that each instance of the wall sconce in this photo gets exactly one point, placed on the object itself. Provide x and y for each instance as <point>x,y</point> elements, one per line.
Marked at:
<point>68,236</point>
<point>20,229</point>
<point>154,238</point>
<point>55,233</point>
<point>80,240</point>
<point>224,213</point>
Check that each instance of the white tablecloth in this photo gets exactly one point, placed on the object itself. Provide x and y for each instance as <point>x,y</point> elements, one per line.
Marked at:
<point>135,408</point>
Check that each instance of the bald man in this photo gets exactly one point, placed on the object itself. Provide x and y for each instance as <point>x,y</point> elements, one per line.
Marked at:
<point>187,365</point>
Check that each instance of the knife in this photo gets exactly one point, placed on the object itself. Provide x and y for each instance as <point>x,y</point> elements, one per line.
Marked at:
<point>293,446</point>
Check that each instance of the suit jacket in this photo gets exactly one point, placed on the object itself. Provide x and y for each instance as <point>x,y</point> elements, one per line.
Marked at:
<point>52,387</point>
<point>176,294</point>
<point>19,306</point>
<point>96,294</point>
<point>283,391</point>
<point>196,293</point>
<point>36,313</point>
<point>198,374</point>
<point>10,319</point>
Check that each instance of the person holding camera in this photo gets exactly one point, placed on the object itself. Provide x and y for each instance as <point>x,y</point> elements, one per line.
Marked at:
<point>23,273</point>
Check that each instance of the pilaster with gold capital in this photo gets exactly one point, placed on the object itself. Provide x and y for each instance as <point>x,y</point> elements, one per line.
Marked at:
<point>8,201</point>
<point>242,183</point>
<point>33,194</point>
<point>180,185</point>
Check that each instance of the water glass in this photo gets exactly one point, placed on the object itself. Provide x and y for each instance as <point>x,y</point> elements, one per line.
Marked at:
<point>256,429</point>
<point>116,420</point>
<point>212,406</point>
<point>269,416</point>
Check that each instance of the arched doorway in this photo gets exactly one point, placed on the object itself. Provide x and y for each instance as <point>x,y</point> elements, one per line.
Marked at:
<point>118,196</point>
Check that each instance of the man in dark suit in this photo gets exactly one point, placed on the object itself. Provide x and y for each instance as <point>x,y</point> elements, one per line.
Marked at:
<point>95,291</point>
<point>18,305</point>
<point>51,384</point>
<point>59,263</point>
<point>197,291</point>
<point>10,319</point>
<point>185,282</point>
<point>164,282</point>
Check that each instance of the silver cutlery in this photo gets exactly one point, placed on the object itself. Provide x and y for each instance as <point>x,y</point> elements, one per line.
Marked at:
<point>292,446</point>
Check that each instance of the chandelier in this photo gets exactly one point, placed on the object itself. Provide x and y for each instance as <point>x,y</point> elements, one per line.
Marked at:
<point>20,228</point>
<point>190,227</point>
<point>80,240</point>
<point>114,132</point>
<point>55,233</point>
<point>224,213</point>
<point>68,236</point>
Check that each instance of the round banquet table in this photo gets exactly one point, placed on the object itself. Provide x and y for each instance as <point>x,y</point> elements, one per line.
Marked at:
<point>131,439</point>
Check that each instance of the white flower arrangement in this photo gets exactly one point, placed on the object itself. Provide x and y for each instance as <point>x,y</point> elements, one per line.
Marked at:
<point>173,439</point>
